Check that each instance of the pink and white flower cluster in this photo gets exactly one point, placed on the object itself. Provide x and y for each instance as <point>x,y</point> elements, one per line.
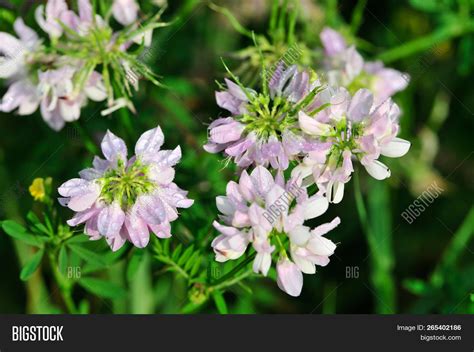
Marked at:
<point>315,131</point>
<point>261,128</point>
<point>124,199</point>
<point>352,128</point>
<point>269,214</point>
<point>60,79</point>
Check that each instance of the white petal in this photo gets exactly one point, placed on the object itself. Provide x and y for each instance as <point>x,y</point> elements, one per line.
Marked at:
<point>315,206</point>
<point>11,55</point>
<point>150,142</point>
<point>321,246</point>
<point>299,235</point>
<point>110,220</point>
<point>303,264</point>
<point>396,148</point>
<point>162,176</point>
<point>312,126</point>
<point>85,200</point>
<point>335,191</point>
<point>113,147</point>
<point>360,105</point>
<point>377,170</point>
<point>224,205</point>
<point>289,277</point>
<point>137,230</point>
<point>262,179</point>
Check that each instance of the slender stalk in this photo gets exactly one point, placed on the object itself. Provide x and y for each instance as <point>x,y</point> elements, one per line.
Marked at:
<point>64,287</point>
<point>235,270</point>
<point>232,281</point>
<point>86,138</point>
<point>378,232</point>
<point>427,42</point>
<point>127,122</point>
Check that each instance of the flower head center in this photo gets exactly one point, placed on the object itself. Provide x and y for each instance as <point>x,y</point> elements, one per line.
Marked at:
<point>268,117</point>
<point>125,183</point>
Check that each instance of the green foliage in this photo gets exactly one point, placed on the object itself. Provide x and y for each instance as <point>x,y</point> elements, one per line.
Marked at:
<point>421,267</point>
<point>33,265</point>
<point>102,288</point>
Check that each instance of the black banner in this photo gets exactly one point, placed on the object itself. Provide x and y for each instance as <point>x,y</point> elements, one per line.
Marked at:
<point>248,332</point>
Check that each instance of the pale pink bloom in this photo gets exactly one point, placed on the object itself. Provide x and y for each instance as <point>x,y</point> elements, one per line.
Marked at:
<point>49,18</point>
<point>13,51</point>
<point>250,143</point>
<point>256,206</point>
<point>21,94</point>
<point>60,103</point>
<point>149,205</point>
<point>346,67</point>
<point>367,132</point>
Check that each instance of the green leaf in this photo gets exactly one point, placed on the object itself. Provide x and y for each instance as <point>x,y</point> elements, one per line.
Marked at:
<point>427,5</point>
<point>35,221</point>
<point>84,307</point>
<point>78,239</point>
<point>185,256</point>
<point>102,288</point>
<point>177,252</point>
<point>88,255</point>
<point>62,260</point>
<point>18,232</point>
<point>191,261</point>
<point>32,265</point>
<point>416,286</point>
<point>220,302</point>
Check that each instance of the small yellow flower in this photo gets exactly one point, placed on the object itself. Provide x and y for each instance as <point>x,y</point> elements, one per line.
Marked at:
<point>37,189</point>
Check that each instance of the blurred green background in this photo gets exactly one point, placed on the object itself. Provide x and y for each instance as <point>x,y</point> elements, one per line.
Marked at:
<point>423,267</point>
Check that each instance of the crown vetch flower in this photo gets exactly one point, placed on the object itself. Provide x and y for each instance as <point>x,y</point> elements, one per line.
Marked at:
<point>14,55</point>
<point>124,199</point>
<point>350,128</point>
<point>270,213</point>
<point>263,128</point>
<point>59,75</point>
<point>346,67</point>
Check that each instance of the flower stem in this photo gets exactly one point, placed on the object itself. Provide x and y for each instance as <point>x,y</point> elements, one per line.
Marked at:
<point>86,138</point>
<point>64,287</point>
<point>232,281</point>
<point>427,42</point>
<point>235,270</point>
<point>378,232</point>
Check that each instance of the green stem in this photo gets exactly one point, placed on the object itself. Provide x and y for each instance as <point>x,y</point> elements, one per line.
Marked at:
<point>378,231</point>
<point>454,250</point>
<point>357,15</point>
<point>235,270</point>
<point>86,138</point>
<point>232,281</point>
<point>127,121</point>
<point>64,287</point>
<point>427,42</point>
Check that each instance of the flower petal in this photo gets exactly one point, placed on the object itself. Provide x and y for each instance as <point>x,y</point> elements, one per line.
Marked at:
<point>110,220</point>
<point>137,230</point>
<point>150,142</point>
<point>377,170</point>
<point>360,105</point>
<point>289,277</point>
<point>396,148</point>
<point>113,147</point>
<point>315,206</point>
